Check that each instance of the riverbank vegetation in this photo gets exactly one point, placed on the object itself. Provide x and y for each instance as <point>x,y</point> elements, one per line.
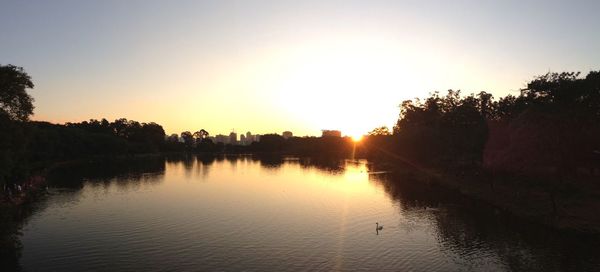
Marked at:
<point>536,154</point>
<point>540,148</point>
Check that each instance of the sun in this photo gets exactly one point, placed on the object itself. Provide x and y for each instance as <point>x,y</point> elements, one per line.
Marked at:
<point>356,138</point>
<point>355,76</point>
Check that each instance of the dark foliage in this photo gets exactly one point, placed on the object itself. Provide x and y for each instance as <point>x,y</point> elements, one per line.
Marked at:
<point>552,128</point>
<point>28,145</point>
<point>14,100</point>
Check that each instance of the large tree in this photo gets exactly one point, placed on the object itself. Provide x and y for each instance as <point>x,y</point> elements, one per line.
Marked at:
<point>15,106</point>
<point>14,100</point>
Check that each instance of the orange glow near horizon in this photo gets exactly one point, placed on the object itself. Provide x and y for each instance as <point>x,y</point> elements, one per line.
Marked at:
<point>345,82</point>
<point>269,69</point>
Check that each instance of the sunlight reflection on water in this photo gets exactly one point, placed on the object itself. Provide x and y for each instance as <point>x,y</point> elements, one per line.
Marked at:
<point>274,214</point>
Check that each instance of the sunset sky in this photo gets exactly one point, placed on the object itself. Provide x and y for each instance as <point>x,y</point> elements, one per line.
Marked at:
<point>270,66</point>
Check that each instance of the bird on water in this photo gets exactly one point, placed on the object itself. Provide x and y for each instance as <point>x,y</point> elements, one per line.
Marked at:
<point>378,227</point>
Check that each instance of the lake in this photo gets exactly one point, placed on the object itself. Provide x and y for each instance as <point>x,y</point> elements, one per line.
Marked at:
<point>244,213</point>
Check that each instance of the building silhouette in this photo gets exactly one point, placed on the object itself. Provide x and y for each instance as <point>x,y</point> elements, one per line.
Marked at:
<point>220,138</point>
<point>331,133</point>
<point>232,138</point>
<point>245,139</point>
<point>249,138</point>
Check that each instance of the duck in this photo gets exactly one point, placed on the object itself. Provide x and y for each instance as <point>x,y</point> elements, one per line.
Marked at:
<point>378,227</point>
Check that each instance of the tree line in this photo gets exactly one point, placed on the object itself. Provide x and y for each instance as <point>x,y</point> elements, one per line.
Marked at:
<point>551,127</point>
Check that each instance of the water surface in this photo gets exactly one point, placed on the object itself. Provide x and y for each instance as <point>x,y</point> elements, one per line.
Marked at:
<point>277,214</point>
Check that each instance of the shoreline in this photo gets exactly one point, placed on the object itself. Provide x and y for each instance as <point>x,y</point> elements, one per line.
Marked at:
<point>534,204</point>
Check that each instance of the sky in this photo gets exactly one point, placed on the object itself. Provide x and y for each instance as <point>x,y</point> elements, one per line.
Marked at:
<point>271,66</point>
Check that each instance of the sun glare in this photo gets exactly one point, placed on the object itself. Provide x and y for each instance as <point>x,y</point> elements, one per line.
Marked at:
<point>348,76</point>
<point>356,138</point>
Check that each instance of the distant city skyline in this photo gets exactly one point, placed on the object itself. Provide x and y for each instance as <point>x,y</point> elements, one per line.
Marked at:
<point>273,66</point>
<point>247,138</point>
<point>286,134</point>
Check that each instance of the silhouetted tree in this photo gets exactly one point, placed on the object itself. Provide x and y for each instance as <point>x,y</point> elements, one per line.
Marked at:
<point>14,100</point>
<point>380,131</point>
<point>173,138</point>
<point>15,107</point>
<point>200,135</point>
<point>188,139</point>
<point>119,127</point>
<point>269,143</point>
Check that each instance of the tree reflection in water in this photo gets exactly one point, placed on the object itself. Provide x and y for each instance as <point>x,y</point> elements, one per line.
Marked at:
<point>466,227</point>
<point>462,227</point>
<point>66,182</point>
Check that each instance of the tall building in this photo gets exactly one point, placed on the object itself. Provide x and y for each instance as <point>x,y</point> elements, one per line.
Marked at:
<point>233,138</point>
<point>220,138</point>
<point>243,140</point>
<point>287,134</point>
<point>249,138</point>
<point>331,133</point>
